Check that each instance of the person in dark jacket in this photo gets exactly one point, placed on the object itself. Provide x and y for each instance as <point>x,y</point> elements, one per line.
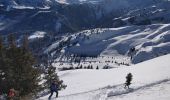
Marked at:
<point>128,80</point>
<point>53,88</point>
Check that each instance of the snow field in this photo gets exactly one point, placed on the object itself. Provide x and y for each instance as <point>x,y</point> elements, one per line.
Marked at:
<point>108,84</point>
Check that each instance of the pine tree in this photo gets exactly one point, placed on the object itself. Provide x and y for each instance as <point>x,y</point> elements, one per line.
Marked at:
<point>91,67</point>
<point>19,70</point>
<point>81,66</point>
<point>1,48</point>
<point>88,67</point>
<point>2,76</point>
<point>1,44</point>
<point>25,43</point>
<point>11,41</point>
<point>97,67</point>
<point>50,76</point>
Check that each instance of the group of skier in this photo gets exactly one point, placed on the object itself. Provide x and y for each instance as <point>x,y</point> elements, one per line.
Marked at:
<point>54,88</point>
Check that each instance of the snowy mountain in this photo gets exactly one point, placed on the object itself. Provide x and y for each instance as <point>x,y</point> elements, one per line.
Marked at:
<point>72,26</point>
<point>149,42</point>
<point>56,17</point>
<point>94,44</point>
<point>150,82</point>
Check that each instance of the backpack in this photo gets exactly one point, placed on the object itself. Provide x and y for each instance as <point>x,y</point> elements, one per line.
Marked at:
<point>54,87</point>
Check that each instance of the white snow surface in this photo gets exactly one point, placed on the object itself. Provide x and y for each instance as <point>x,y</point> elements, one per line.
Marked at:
<point>37,34</point>
<point>151,81</point>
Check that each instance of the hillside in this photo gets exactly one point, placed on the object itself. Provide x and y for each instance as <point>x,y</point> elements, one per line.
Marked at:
<point>150,82</point>
<point>58,21</point>
<point>149,42</point>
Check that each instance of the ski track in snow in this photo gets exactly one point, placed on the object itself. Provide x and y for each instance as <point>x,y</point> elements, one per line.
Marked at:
<point>109,92</point>
<point>161,89</point>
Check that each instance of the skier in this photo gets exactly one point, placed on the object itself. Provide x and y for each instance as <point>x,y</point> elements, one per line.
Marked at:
<point>53,88</point>
<point>131,52</point>
<point>132,49</point>
<point>128,80</point>
<point>11,94</point>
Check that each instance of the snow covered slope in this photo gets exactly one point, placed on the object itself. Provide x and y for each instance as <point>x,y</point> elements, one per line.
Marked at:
<point>150,82</point>
<point>145,26</point>
<point>149,42</point>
